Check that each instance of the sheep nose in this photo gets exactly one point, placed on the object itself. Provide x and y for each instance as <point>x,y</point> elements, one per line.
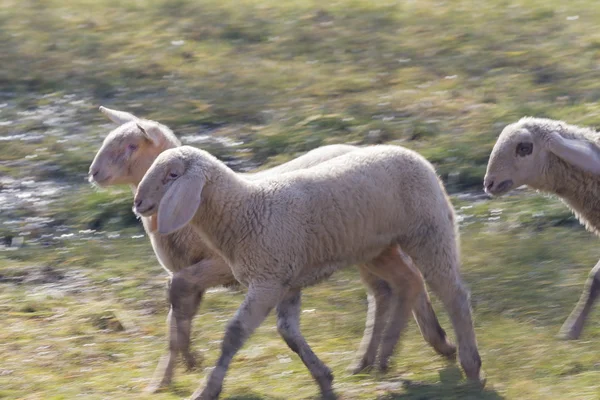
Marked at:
<point>138,203</point>
<point>488,182</point>
<point>93,173</point>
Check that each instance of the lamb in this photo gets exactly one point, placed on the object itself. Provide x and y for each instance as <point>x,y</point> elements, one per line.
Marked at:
<point>554,157</point>
<point>124,158</point>
<point>280,234</point>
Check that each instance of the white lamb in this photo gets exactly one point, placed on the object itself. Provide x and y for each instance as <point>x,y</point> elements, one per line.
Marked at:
<point>558,158</point>
<point>125,156</point>
<point>280,234</point>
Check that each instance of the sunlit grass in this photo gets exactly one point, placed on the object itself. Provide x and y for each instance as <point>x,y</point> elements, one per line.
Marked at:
<point>85,317</point>
<point>440,77</point>
<point>60,341</point>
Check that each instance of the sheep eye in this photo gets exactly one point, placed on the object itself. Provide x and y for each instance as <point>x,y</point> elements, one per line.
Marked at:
<point>173,175</point>
<point>132,147</point>
<point>524,149</point>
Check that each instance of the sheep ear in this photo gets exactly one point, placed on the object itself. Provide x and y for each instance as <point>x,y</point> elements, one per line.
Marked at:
<point>179,205</point>
<point>579,153</point>
<point>151,130</point>
<point>118,117</point>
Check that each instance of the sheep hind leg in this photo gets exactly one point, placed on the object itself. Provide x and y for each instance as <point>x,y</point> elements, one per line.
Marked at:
<point>449,288</point>
<point>573,326</point>
<point>379,298</point>
<point>288,325</point>
<point>430,327</point>
<point>397,268</point>
<point>259,301</point>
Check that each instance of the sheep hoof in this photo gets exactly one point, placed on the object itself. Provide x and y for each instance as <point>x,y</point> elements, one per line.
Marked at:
<point>447,350</point>
<point>191,361</point>
<point>383,367</point>
<point>477,383</point>
<point>328,395</point>
<point>569,334</point>
<point>207,393</point>
<point>153,388</point>
<point>360,367</point>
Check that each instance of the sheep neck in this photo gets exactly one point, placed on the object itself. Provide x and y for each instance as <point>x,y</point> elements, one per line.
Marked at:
<point>227,212</point>
<point>578,189</point>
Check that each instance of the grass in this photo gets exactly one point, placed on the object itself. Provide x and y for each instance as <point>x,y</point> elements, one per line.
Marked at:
<point>284,77</point>
<point>94,324</point>
<point>82,301</point>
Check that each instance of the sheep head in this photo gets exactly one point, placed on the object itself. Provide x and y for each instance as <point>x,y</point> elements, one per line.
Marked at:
<point>520,155</point>
<point>172,188</point>
<point>128,150</point>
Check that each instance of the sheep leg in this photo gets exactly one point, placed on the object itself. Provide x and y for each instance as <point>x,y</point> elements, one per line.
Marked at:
<point>288,325</point>
<point>379,298</point>
<point>573,326</point>
<point>259,301</point>
<point>455,297</point>
<point>187,288</point>
<point>184,310</point>
<point>163,374</point>
<point>430,327</point>
<point>398,270</point>
<point>185,293</point>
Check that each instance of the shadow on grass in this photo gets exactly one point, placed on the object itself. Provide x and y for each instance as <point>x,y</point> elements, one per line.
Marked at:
<point>252,396</point>
<point>451,386</point>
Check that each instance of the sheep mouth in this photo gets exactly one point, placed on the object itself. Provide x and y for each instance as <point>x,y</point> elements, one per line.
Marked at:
<point>502,188</point>
<point>145,212</point>
<point>99,182</point>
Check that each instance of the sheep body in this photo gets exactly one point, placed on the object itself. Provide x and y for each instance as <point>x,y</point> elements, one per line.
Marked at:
<point>282,233</point>
<point>565,160</point>
<point>317,218</point>
<point>193,267</point>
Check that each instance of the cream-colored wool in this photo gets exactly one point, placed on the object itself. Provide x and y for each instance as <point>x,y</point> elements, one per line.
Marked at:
<point>282,233</point>
<point>125,156</point>
<point>554,157</point>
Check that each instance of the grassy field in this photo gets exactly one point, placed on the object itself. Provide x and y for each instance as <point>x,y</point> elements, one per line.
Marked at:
<point>82,298</point>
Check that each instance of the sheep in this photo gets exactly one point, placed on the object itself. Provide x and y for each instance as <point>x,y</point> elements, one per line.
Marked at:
<point>280,234</point>
<point>554,157</point>
<point>125,156</point>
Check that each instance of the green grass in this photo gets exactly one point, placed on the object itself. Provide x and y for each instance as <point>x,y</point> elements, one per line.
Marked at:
<point>284,77</point>
<point>59,340</point>
<point>83,315</point>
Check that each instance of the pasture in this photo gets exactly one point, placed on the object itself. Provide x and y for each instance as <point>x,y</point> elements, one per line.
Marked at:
<point>256,82</point>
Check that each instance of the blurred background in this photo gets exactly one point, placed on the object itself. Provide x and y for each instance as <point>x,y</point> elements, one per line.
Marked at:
<point>258,82</point>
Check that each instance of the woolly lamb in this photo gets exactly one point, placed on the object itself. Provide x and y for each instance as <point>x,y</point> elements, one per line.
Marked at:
<point>558,158</point>
<point>283,233</point>
<point>124,158</point>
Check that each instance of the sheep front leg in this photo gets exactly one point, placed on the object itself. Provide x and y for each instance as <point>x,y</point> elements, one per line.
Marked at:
<point>163,374</point>
<point>573,326</point>
<point>185,293</point>
<point>379,298</point>
<point>288,325</point>
<point>259,301</point>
